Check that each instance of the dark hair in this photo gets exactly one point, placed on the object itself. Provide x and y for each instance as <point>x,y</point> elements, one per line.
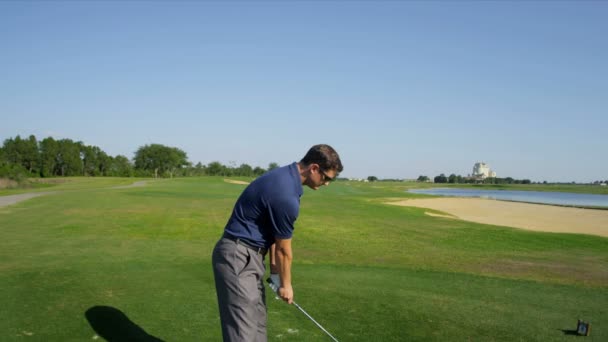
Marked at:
<point>325,156</point>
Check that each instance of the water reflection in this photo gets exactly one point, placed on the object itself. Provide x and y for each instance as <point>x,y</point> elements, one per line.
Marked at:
<point>558,198</point>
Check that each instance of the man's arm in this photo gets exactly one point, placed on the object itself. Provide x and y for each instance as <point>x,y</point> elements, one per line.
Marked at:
<point>283,257</point>
<point>274,268</point>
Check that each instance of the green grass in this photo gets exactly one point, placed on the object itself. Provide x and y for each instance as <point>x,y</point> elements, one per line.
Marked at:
<point>365,270</point>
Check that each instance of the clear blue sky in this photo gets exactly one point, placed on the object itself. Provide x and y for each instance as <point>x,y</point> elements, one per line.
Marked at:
<point>400,89</point>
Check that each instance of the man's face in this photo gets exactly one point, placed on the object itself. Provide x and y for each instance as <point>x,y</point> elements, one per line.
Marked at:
<point>319,177</point>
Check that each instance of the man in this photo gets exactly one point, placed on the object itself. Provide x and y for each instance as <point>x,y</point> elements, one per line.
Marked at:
<point>264,216</point>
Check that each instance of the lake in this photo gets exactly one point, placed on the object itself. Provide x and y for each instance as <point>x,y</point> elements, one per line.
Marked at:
<point>556,198</point>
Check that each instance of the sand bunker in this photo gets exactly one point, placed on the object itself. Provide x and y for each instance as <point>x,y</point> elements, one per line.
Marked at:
<point>232,181</point>
<point>538,217</point>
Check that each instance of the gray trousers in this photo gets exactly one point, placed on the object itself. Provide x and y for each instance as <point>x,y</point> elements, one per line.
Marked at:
<point>239,273</point>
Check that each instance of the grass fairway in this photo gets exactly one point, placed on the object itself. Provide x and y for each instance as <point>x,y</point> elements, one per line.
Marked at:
<point>365,270</point>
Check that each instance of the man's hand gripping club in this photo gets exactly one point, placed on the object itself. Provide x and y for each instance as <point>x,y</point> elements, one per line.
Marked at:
<point>286,294</point>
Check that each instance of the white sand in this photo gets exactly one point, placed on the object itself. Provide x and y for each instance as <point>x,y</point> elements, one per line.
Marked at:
<point>538,217</point>
<point>232,181</point>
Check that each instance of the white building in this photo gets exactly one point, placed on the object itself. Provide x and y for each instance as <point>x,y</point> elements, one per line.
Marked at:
<point>482,170</point>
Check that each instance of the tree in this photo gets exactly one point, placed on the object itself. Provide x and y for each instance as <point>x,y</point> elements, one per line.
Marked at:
<point>272,166</point>
<point>67,159</point>
<point>215,168</point>
<point>12,171</point>
<point>120,166</point>
<point>104,163</point>
<point>9,170</point>
<point>372,178</point>
<point>422,179</point>
<point>258,171</point>
<point>490,180</point>
<point>441,179</point>
<point>94,161</point>
<point>244,170</point>
<point>48,155</point>
<point>199,169</point>
<point>32,155</point>
<point>11,150</point>
<point>160,159</point>
<point>23,152</point>
<point>452,178</point>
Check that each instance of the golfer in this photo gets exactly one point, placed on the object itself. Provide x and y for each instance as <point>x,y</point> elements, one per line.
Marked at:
<point>263,216</point>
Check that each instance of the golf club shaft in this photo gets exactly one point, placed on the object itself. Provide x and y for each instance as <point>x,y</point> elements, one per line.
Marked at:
<point>315,322</point>
<point>275,288</point>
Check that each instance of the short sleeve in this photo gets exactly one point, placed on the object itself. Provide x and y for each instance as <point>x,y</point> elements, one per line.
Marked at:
<point>283,215</point>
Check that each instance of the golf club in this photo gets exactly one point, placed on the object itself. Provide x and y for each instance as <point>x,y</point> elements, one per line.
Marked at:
<point>274,287</point>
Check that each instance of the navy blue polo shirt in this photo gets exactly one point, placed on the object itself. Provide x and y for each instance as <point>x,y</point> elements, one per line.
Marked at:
<point>268,207</point>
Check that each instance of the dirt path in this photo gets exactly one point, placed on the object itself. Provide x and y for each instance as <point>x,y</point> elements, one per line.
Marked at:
<point>134,185</point>
<point>538,217</point>
<point>12,199</point>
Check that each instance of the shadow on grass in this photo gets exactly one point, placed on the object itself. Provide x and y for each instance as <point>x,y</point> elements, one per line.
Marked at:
<point>114,326</point>
<point>569,332</point>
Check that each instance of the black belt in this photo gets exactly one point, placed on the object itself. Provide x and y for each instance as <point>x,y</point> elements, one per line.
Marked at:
<point>245,243</point>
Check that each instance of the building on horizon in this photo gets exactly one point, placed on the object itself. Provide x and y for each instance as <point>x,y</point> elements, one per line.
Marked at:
<point>483,171</point>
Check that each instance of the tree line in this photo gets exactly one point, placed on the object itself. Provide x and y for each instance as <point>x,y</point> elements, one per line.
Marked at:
<point>457,179</point>
<point>23,158</point>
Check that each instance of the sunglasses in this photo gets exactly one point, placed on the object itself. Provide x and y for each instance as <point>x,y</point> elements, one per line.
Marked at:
<point>326,178</point>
